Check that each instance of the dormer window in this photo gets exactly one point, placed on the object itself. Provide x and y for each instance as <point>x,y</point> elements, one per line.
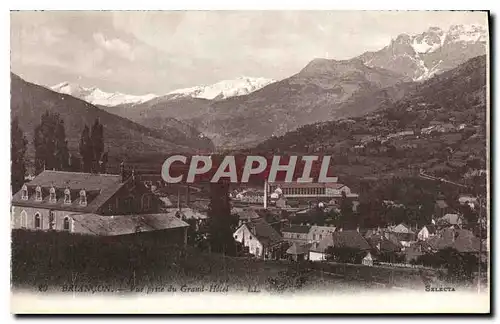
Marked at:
<point>38,193</point>
<point>67,196</point>
<point>66,225</point>
<point>52,196</point>
<point>24,192</point>
<point>83,197</point>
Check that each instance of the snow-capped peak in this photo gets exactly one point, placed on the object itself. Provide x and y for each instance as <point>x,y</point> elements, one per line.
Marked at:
<point>435,37</point>
<point>223,89</point>
<point>466,33</point>
<point>98,97</point>
<point>421,56</point>
<point>428,41</point>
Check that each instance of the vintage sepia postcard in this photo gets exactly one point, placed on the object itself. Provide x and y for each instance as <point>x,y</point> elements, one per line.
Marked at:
<point>250,162</point>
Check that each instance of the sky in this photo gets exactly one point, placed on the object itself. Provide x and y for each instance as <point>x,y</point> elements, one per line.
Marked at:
<point>159,51</point>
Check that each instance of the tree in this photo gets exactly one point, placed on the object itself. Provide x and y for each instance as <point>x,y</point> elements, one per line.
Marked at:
<point>97,139</point>
<point>61,147</point>
<point>221,224</point>
<point>51,147</point>
<point>85,149</point>
<point>346,213</point>
<point>17,152</point>
<point>91,148</point>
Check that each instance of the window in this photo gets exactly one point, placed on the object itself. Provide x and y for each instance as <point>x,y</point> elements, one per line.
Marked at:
<point>66,223</point>
<point>127,204</point>
<point>146,202</point>
<point>52,221</point>
<point>38,221</point>
<point>24,192</point>
<point>24,219</point>
<point>38,193</point>
<point>314,236</point>
<point>67,196</point>
<point>320,236</point>
<point>83,197</point>
<point>257,251</point>
<point>52,195</point>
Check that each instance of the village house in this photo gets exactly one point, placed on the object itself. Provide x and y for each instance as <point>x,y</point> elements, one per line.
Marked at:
<point>95,204</point>
<point>299,252</point>
<point>468,200</point>
<point>464,241</point>
<point>246,215</point>
<point>317,233</point>
<point>451,220</point>
<point>317,250</point>
<point>426,232</point>
<point>402,232</point>
<point>383,247</point>
<point>260,238</point>
<point>296,233</point>
<point>351,239</point>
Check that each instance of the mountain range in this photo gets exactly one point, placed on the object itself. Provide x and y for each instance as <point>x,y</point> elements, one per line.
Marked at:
<point>246,111</point>
<point>324,89</point>
<point>419,57</point>
<point>439,127</point>
<point>222,89</point>
<point>96,96</point>
<point>217,91</point>
<point>123,138</point>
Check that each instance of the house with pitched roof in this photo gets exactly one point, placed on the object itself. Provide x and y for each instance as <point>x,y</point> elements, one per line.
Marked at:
<point>451,220</point>
<point>464,241</point>
<point>299,252</point>
<point>403,234</point>
<point>350,238</point>
<point>317,250</point>
<point>246,215</point>
<point>261,239</point>
<point>317,233</point>
<point>296,233</point>
<point>426,232</point>
<point>88,203</point>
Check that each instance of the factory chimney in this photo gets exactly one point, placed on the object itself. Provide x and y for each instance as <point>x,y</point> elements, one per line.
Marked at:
<point>265,194</point>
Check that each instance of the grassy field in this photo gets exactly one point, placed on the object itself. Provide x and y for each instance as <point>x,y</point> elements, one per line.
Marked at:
<point>56,261</point>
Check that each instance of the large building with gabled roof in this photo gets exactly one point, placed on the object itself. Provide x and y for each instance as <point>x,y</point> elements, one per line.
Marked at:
<point>88,203</point>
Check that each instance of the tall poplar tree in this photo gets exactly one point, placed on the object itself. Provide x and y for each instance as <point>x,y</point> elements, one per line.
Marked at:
<point>85,149</point>
<point>51,147</point>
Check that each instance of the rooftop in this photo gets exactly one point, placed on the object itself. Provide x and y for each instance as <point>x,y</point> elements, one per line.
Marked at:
<point>98,187</point>
<point>350,238</point>
<point>264,232</point>
<point>127,224</point>
<point>332,185</point>
<point>297,229</point>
